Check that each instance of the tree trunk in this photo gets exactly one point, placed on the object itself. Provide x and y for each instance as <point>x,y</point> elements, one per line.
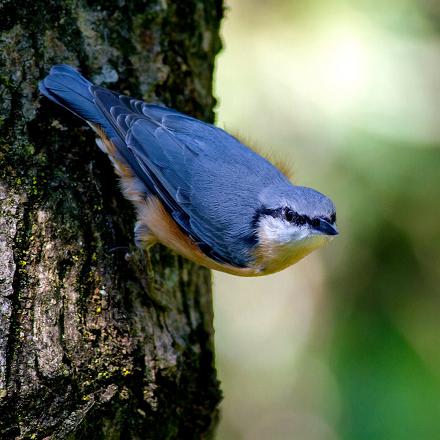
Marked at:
<point>92,344</point>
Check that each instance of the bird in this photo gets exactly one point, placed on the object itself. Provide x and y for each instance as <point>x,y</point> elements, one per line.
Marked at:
<point>196,188</point>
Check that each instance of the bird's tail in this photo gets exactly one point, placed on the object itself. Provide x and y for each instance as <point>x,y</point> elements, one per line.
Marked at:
<point>68,88</point>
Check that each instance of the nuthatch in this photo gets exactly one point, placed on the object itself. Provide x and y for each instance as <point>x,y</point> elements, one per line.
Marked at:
<point>196,188</point>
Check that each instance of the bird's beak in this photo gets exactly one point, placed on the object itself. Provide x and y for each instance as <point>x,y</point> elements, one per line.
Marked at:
<point>326,228</point>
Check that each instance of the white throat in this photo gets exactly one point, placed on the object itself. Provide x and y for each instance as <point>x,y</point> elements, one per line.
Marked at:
<point>281,244</point>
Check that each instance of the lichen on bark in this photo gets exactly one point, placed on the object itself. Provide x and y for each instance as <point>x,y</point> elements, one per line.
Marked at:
<point>91,344</point>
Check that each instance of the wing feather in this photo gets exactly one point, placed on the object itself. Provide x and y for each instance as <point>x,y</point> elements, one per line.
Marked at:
<point>206,179</point>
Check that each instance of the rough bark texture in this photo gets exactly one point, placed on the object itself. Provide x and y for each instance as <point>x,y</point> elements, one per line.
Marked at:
<point>91,345</point>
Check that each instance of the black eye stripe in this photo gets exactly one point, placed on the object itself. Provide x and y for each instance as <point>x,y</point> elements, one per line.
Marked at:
<point>295,218</point>
<point>291,216</point>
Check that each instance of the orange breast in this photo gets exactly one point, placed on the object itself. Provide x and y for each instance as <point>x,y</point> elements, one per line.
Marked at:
<point>163,228</point>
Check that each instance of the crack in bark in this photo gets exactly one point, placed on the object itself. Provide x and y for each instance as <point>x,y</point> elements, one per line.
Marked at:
<point>20,248</point>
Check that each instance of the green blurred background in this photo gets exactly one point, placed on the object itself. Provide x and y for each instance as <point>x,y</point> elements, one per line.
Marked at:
<point>346,344</point>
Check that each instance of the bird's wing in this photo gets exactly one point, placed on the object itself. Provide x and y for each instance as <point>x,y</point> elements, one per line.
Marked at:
<point>204,177</point>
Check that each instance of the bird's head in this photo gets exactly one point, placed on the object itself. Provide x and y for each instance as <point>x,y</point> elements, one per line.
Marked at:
<point>291,223</point>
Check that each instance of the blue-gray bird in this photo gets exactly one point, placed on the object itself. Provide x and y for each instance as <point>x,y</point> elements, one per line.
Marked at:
<point>196,188</point>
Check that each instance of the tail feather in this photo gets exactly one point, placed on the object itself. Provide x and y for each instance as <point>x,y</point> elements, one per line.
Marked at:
<point>68,88</point>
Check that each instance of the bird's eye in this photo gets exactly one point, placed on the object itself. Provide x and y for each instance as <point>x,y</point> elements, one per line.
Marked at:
<point>333,218</point>
<point>289,215</point>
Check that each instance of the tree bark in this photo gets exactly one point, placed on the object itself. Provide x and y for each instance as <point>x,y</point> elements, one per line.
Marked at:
<point>92,344</point>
